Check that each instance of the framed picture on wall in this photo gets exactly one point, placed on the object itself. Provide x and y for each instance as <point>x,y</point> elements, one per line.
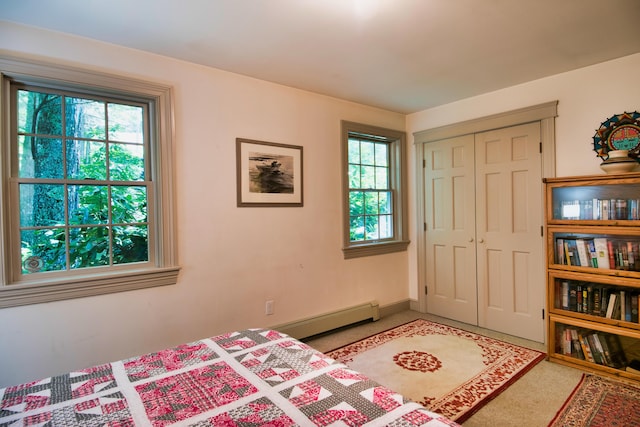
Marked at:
<point>268,174</point>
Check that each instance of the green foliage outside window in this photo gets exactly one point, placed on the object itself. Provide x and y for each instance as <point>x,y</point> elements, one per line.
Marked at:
<point>370,196</point>
<point>81,182</point>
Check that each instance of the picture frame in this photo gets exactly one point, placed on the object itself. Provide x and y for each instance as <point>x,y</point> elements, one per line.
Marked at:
<point>268,174</point>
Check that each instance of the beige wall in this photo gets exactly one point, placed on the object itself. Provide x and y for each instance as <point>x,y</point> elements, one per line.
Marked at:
<point>586,98</point>
<point>233,259</point>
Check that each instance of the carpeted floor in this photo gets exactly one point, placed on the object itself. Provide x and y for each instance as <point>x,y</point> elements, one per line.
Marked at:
<point>532,401</point>
<point>448,370</point>
<point>609,402</point>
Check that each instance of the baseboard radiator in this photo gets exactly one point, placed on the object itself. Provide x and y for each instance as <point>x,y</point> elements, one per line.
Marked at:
<point>329,321</point>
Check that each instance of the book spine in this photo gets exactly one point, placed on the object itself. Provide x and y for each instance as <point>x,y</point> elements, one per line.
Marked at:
<point>612,258</point>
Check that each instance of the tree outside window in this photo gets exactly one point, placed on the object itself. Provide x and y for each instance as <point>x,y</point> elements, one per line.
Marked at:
<point>81,182</point>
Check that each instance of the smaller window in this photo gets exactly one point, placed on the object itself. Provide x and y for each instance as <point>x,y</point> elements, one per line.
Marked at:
<point>373,190</point>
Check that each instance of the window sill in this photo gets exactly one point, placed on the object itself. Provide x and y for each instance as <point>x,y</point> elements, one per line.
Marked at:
<point>34,293</point>
<point>371,249</point>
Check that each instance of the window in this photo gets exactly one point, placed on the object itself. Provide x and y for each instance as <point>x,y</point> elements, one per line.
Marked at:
<point>375,206</point>
<point>87,184</point>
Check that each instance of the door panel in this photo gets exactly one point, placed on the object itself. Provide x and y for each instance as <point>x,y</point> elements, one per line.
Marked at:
<point>450,229</point>
<point>509,220</point>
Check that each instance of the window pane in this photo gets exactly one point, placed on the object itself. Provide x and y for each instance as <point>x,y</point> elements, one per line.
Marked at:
<point>128,204</point>
<point>371,227</point>
<point>86,160</point>
<point>385,202</point>
<point>367,153</point>
<point>88,247</point>
<point>88,204</point>
<point>125,123</point>
<point>357,228</point>
<point>368,177</point>
<point>382,178</point>
<point>356,203</point>
<point>42,250</point>
<point>85,118</point>
<point>382,155</point>
<point>39,157</point>
<point>41,205</point>
<point>130,244</point>
<point>126,162</point>
<point>386,226</point>
<point>354,151</point>
<point>354,176</point>
<point>371,203</point>
<point>39,113</point>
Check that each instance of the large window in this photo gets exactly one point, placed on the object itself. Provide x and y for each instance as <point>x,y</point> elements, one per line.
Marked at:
<point>86,184</point>
<point>374,190</point>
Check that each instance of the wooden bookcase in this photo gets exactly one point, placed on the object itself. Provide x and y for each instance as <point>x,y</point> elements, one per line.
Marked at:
<point>593,259</point>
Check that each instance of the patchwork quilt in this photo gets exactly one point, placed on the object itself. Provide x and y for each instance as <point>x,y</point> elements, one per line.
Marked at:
<point>255,377</point>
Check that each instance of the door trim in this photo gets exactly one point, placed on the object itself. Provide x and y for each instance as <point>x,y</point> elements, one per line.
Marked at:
<point>544,113</point>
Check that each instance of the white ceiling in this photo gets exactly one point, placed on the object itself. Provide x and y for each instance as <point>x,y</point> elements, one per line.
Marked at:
<point>400,55</point>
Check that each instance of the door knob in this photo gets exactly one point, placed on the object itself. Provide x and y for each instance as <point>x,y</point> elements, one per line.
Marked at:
<point>481,240</point>
<point>470,239</point>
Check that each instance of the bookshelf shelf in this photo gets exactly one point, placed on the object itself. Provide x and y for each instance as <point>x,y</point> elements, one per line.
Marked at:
<point>593,272</point>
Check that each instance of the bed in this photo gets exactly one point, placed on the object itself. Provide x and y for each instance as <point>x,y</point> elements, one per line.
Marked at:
<point>254,377</point>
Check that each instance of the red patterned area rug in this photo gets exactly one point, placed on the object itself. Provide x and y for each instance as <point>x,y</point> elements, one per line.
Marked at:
<point>600,402</point>
<point>448,370</point>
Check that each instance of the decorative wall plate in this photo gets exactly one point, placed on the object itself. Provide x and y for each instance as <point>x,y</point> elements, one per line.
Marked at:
<point>620,132</point>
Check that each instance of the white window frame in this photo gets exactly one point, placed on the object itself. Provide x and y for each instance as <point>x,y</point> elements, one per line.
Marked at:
<point>164,271</point>
<point>398,185</point>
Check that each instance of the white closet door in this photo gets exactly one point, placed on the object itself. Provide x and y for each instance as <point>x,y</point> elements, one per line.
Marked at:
<point>450,229</point>
<point>510,246</point>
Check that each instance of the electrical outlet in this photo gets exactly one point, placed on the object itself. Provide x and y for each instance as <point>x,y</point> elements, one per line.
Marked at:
<point>268,307</point>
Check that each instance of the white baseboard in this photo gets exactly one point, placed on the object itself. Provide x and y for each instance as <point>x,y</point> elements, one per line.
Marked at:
<point>328,321</point>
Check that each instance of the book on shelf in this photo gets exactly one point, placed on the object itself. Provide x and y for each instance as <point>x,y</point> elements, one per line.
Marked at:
<point>581,248</point>
<point>571,252</point>
<point>593,346</point>
<point>566,342</point>
<point>596,349</point>
<point>601,209</point>
<point>560,254</point>
<point>575,344</point>
<point>611,305</point>
<point>564,292</point>
<point>598,252</point>
<point>602,252</point>
<point>586,349</point>
<point>593,254</point>
<point>598,300</point>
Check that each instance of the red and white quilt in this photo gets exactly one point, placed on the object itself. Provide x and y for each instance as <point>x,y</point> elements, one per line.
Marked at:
<point>254,377</point>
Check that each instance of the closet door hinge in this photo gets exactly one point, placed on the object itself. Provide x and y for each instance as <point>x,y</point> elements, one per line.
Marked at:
<point>540,147</point>
<point>543,314</point>
<point>424,163</point>
<point>542,231</point>
<point>425,226</point>
<point>426,290</point>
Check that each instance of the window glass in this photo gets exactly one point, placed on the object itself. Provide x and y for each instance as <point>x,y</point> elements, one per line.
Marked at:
<point>72,216</point>
<point>369,192</point>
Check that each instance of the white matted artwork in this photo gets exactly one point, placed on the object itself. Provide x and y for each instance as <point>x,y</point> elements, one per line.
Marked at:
<point>268,174</point>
